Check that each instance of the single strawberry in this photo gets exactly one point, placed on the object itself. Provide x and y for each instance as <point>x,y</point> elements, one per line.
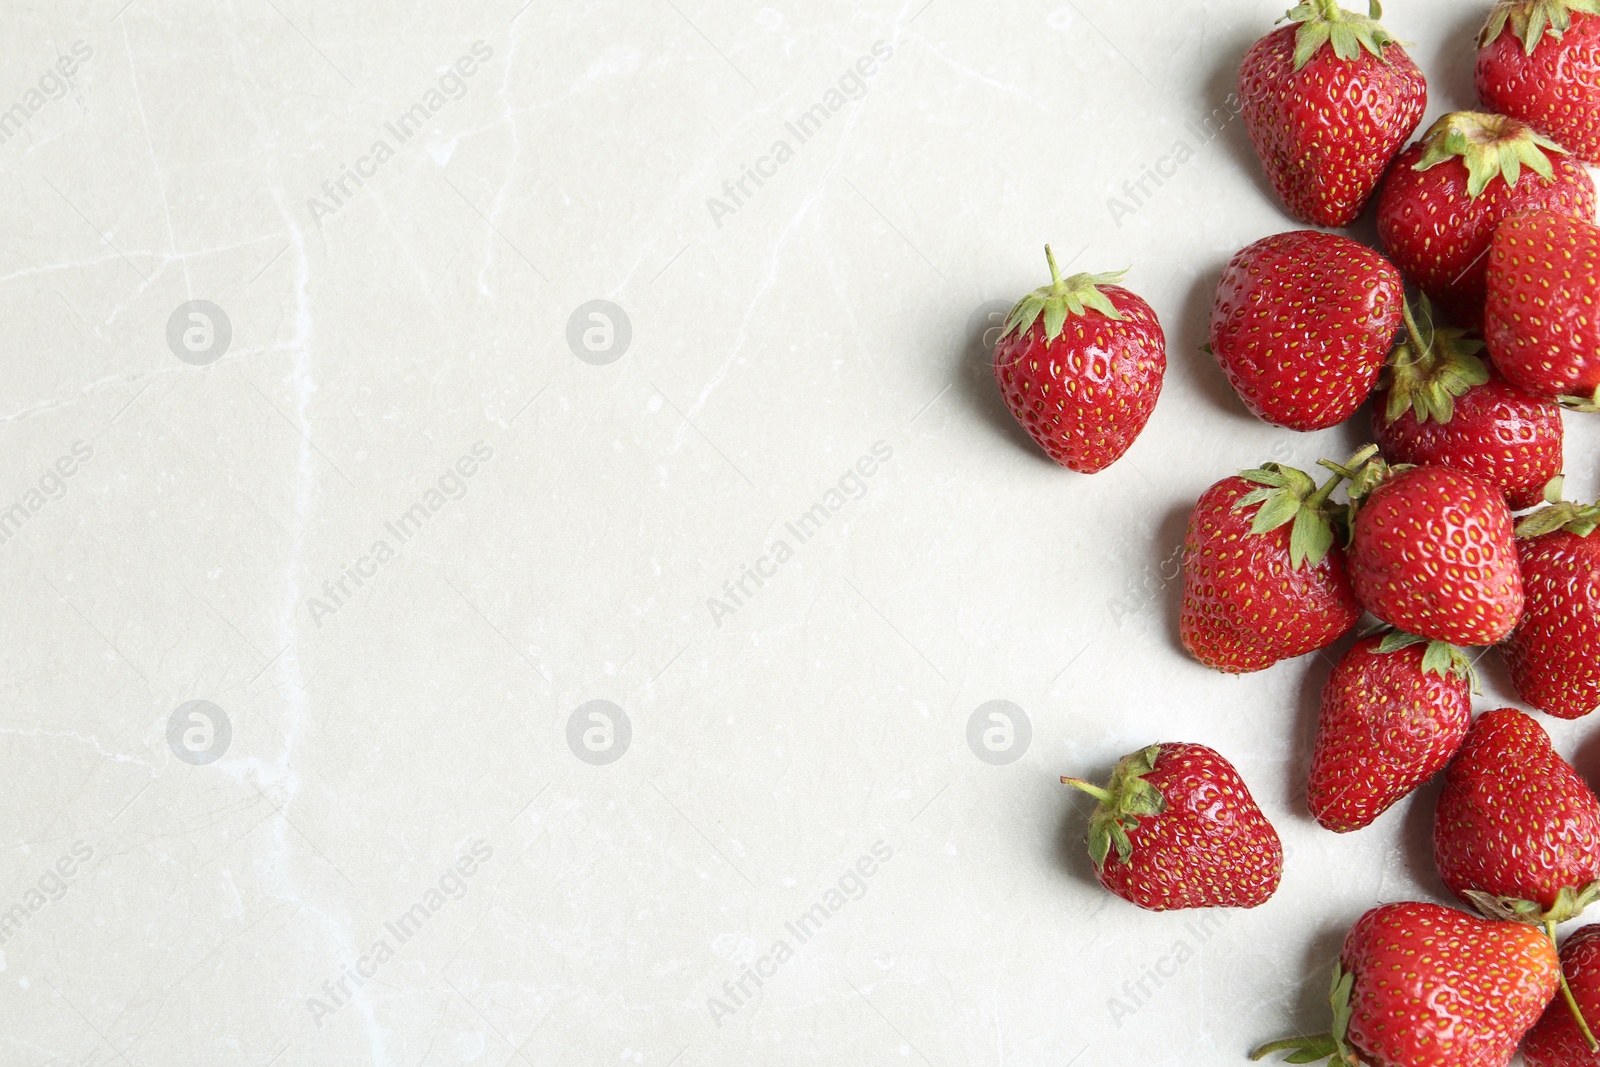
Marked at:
<point>1419,985</point>
<point>1441,406</point>
<point>1263,579</point>
<point>1546,70</point>
<point>1517,831</point>
<point>1558,1038</point>
<point>1394,711</point>
<point>1554,653</point>
<point>1080,363</point>
<point>1328,101</point>
<point>1444,196</point>
<point>1431,553</point>
<point>1301,325</point>
<point>1185,830</point>
<point>1541,319</point>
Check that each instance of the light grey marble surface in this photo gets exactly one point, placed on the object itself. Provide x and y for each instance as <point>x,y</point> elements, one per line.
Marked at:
<point>397,509</point>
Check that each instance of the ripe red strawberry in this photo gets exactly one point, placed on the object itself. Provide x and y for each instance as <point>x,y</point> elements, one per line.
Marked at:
<point>1444,196</point>
<point>1442,407</point>
<point>1419,985</point>
<point>1546,71</point>
<point>1556,1039</point>
<point>1394,711</point>
<point>1080,363</point>
<point>1262,577</point>
<point>1186,832</point>
<point>1517,831</point>
<point>1541,319</point>
<point>1431,553</point>
<point>1328,102</point>
<point>1554,653</point>
<point>1301,324</point>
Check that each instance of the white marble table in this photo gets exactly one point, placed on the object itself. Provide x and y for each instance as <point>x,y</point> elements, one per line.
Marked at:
<point>399,380</point>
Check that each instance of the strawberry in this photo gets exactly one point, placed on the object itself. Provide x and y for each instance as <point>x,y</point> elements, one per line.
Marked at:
<point>1186,832</point>
<point>1328,102</point>
<point>1442,407</point>
<point>1546,71</point>
<point>1541,321</point>
<point>1262,577</point>
<point>1431,553</point>
<point>1080,363</point>
<point>1394,711</point>
<point>1558,1038</point>
<point>1554,653</point>
<point>1444,196</point>
<point>1301,324</point>
<point>1419,985</point>
<point>1517,831</point>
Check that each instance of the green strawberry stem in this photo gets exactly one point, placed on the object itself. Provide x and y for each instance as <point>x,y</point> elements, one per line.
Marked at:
<point>1330,1046</point>
<point>1305,1049</point>
<point>1587,404</point>
<point>1430,368</point>
<point>1062,299</point>
<point>1572,1001</point>
<point>1102,795</point>
<point>1580,519</point>
<point>1440,657</point>
<point>1324,22</point>
<point>1530,19</point>
<point>1288,495</point>
<point>1489,146</point>
<point>1123,801</point>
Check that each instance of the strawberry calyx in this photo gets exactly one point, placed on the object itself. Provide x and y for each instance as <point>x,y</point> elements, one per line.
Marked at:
<point>1570,903</point>
<point>1123,801</point>
<point>1530,20</point>
<point>1430,367</point>
<point>1440,657</point>
<point>1060,300</point>
<point>1588,404</point>
<point>1580,519</point>
<point>1324,22</point>
<point>1288,495</point>
<point>1489,146</point>
<point>1330,1046</point>
<point>1366,470</point>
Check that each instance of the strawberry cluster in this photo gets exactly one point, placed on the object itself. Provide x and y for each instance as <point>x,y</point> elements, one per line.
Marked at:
<point>1489,220</point>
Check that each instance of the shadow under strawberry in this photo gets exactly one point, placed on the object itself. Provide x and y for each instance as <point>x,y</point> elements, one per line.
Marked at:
<point>1308,711</point>
<point>1450,67</point>
<point>1069,852</point>
<point>1187,338</point>
<point>972,372</point>
<point>1416,839</point>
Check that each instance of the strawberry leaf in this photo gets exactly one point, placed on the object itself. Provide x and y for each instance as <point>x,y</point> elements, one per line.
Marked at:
<point>1324,22</point>
<point>1062,299</point>
<point>1490,147</point>
<point>1530,20</point>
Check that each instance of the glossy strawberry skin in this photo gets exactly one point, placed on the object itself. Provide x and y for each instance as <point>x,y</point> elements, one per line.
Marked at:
<point>1542,317</point>
<point>1245,607</point>
<point>1325,134</point>
<point>1433,554</point>
<point>1555,90</point>
<point>1436,987</point>
<point>1514,819</point>
<point>1509,438</point>
<point>1555,1040</point>
<point>1438,235</point>
<point>1386,727</point>
<point>1301,325</point>
<point>1211,848</point>
<point>1086,395</point>
<point>1554,653</point>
